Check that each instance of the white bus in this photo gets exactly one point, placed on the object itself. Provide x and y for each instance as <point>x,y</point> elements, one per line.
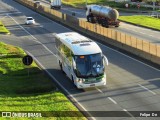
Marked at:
<point>81,59</point>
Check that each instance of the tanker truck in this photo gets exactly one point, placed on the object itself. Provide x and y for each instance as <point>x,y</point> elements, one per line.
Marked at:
<point>104,15</point>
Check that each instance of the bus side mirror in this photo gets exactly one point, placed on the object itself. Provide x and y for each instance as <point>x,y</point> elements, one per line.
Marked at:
<point>105,60</point>
<point>74,64</point>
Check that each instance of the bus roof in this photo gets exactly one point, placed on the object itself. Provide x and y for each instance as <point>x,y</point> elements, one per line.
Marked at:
<point>79,44</point>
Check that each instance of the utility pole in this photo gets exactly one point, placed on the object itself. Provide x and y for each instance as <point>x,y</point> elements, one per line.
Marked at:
<point>153,4</point>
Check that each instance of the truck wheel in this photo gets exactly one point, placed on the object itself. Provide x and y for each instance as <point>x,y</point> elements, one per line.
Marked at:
<point>90,19</point>
<point>103,24</point>
<point>87,18</point>
<point>74,83</point>
<point>106,24</point>
<point>99,21</point>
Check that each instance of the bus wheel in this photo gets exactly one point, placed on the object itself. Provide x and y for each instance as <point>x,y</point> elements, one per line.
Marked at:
<point>72,79</point>
<point>60,64</point>
<point>73,82</point>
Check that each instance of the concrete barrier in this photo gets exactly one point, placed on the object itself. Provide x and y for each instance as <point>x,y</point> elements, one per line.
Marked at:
<point>146,46</point>
<point>139,44</point>
<point>128,40</point>
<point>158,51</point>
<point>153,49</point>
<point>124,41</point>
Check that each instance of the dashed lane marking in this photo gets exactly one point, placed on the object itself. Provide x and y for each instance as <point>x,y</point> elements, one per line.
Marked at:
<point>147,89</point>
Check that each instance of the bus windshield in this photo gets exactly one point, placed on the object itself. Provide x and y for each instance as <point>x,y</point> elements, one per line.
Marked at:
<point>89,65</point>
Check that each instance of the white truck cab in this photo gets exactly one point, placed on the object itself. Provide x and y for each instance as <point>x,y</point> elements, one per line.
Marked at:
<point>56,4</point>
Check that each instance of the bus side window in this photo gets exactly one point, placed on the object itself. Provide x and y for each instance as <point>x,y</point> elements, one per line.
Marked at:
<point>68,54</point>
<point>56,40</point>
<point>58,43</point>
<point>65,51</point>
<point>70,57</point>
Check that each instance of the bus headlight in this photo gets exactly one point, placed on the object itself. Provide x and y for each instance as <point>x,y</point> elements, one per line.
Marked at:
<point>79,80</point>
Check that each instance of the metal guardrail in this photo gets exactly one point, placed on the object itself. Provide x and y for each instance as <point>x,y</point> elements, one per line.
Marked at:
<point>154,14</point>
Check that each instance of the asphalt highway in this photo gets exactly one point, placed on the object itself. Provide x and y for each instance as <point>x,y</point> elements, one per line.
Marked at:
<point>139,32</point>
<point>131,84</point>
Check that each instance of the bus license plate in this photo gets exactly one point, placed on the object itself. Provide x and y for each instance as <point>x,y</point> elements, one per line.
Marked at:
<point>92,85</point>
<point>91,80</point>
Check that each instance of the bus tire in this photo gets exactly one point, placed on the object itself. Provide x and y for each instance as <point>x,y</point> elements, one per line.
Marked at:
<point>61,67</point>
<point>73,82</point>
<point>72,79</point>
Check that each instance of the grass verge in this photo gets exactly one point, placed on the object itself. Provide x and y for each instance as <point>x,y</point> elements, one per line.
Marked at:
<point>36,92</point>
<point>145,21</point>
<point>119,6</point>
<point>3,30</point>
<point>79,3</point>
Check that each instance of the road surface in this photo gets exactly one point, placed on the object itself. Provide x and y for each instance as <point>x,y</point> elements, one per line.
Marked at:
<point>131,84</point>
<point>139,32</point>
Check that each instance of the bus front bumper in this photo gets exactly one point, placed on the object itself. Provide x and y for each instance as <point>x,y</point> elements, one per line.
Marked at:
<point>82,85</point>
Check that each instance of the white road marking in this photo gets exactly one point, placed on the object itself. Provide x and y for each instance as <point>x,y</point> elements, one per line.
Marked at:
<point>14,13</point>
<point>33,26</point>
<point>101,44</point>
<point>106,46</point>
<point>107,97</point>
<point>147,89</point>
<point>109,48</point>
<point>71,96</point>
<point>142,33</point>
<point>65,9</point>
<point>97,42</point>
<point>3,17</point>
<point>21,26</point>
<point>112,100</point>
<point>151,35</point>
<point>48,71</point>
<point>124,110</point>
<point>51,20</point>
<point>99,90</point>
<point>129,57</point>
<point>34,39</point>
<point>128,113</point>
<point>72,11</point>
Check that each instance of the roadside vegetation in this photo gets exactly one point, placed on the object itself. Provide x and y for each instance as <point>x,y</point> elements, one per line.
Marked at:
<point>119,6</point>
<point>146,21</point>
<point>36,92</point>
<point>3,30</point>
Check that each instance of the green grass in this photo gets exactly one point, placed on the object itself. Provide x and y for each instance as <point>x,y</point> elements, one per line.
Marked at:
<point>146,21</point>
<point>20,92</point>
<point>121,5</point>
<point>79,3</point>
<point>3,29</point>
